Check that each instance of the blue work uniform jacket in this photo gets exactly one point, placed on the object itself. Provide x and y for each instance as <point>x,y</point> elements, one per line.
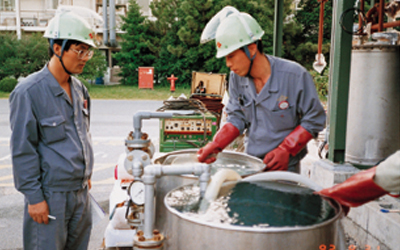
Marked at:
<point>288,99</point>
<point>50,142</point>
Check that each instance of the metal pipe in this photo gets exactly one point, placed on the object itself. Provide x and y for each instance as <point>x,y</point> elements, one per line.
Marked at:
<point>203,179</point>
<point>105,24</point>
<point>18,17</point>
<point>197,169</point>
<point>149,179</point>
<point>381,8</point>
<point>139,116</point>
<point>386,25</point>
<point>278,28</point>
<point>360,19</point>
<point>321,28</point>
<point>137,169</point>
<point>339,82</point>
<point>113,27</point>
<point>149,205</point>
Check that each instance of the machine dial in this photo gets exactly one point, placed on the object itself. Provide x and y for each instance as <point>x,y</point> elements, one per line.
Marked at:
<point>136,192</point>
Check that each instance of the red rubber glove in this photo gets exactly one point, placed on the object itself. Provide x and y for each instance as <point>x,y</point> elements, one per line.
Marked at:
<point>223,138</point>
<point>278,158</point>
<point>356,190</point>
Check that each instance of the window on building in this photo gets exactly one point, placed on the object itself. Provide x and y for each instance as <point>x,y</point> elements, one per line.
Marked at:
<point>121,1</point>
<point>7,5</point>
<point>116,1</point>
<point>66,2</point>
<point>51,4</point>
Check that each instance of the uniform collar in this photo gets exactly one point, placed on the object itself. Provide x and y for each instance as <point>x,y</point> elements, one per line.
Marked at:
<point>52,82</point>
<point>272,85</point>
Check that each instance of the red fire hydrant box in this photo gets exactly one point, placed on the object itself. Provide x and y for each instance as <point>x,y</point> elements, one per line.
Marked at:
<point>146,77</point>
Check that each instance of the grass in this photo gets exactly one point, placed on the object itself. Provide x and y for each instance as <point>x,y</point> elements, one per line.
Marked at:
<point>134,93</point>
<point>122,92</point>
<point>4,95</point>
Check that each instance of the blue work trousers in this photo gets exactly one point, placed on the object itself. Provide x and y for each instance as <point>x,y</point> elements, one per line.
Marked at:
<point>71,228</point>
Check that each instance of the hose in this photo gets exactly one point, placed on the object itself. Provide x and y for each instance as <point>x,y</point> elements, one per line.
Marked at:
<point>359,13</point>
<point>183,104</point>
<point>229,175</point>
<point>284,176</point>
<point>214,186</point>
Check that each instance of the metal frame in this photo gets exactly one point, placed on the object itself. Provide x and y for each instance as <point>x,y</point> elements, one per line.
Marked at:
<point>339,82</point>
<point>278,28</point>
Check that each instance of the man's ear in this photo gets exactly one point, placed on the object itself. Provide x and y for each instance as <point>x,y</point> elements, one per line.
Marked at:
<point>57,49</point>
<point>252,49</point>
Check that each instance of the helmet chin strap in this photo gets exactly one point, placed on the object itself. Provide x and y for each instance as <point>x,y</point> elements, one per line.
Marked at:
<point>251,58</point>
<point>60,56</point>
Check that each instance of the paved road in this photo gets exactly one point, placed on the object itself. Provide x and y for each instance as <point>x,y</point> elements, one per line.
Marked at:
<point>111,122</point>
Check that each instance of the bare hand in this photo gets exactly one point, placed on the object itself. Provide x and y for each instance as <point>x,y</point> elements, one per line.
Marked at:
<point>39,212</point>
<point>89,182</point>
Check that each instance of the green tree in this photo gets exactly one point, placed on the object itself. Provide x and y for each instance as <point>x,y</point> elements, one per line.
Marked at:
<point>193,15</point>
<point>161,32</point>
<point>308,16</point>
<point>175,36</point>
<point>95,67</point>
<point>301,36</point>
<point>134,50</point>
<point>8,84</point>
<point>172,39</point>
<point>165,13</point>
<point>22,57</point>
<point>180,52</point>
<point>7,45</point>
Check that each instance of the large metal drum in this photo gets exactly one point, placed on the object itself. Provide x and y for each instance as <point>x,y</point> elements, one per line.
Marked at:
<point>287,229</point>
<point>373,121</point>
<point>242,163</point>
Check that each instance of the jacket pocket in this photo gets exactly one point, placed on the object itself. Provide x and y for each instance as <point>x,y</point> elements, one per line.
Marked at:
<point>53,128</point>
<point>283,119</point>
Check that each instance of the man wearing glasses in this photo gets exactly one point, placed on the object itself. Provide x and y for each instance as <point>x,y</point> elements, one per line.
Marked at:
<point>51,145</point>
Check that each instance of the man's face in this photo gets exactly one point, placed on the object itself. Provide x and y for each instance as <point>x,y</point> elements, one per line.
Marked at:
<point>238,62</point>
<point>75,58</point>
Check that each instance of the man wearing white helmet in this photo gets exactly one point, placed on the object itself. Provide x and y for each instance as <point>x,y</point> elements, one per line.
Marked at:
<point>274,100</point>
<point>51,146</point>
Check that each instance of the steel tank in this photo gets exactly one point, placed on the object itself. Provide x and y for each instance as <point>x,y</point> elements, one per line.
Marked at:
<point>242,163</point>
<point>373,120</point>
<point>187,232</point>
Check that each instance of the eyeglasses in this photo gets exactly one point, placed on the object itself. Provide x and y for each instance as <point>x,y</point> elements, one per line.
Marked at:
<point>83,53</point>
